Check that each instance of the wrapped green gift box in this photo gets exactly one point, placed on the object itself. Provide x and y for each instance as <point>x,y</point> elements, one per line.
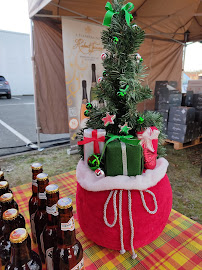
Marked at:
<point>123,158</point>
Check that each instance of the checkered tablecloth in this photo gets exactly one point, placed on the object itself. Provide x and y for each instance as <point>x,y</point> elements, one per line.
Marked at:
<point>178,247</point>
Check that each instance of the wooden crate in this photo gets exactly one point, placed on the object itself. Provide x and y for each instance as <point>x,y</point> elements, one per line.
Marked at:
<point>179,145</point>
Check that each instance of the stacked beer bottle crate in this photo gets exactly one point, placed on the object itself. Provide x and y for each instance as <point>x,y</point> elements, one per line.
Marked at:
<point>52,228</point>
<point>182,113</point>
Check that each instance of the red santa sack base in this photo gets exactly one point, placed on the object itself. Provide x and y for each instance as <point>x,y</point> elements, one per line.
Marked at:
<point>122,212</point>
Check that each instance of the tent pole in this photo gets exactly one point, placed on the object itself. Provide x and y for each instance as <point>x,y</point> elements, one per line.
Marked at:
<point>34,79</point>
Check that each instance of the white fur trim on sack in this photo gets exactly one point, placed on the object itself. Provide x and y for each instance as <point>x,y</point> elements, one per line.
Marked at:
<point>89,181</point>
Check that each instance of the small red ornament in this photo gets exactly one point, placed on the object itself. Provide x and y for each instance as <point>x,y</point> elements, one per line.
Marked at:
<point>103,56</point>
<point>99,172</point>
<point>108,119</point>
<point>99,79</point>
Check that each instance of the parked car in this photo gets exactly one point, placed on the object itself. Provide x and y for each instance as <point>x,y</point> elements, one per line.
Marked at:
<point>5,89</point>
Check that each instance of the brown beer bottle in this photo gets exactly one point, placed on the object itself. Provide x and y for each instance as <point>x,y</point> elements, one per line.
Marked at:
<point>50,230</point>
<point>40,218</point>
<point>6,202</point>
<point>36,169</point>
<point>21,256</point>
<point>1,175</point>
<point>12,220</point>
<point>69,253</point>
<point>4,185</point>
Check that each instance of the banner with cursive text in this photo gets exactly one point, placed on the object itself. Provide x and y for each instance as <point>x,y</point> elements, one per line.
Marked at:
<point>82,49</point>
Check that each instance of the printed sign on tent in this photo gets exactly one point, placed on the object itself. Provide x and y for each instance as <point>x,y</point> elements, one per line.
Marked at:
<point>82,49</point>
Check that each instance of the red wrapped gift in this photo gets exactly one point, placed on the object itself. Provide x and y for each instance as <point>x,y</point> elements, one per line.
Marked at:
<point>149,141</point>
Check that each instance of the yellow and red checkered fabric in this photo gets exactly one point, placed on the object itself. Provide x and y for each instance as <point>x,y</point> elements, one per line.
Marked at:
<point>178,247</point>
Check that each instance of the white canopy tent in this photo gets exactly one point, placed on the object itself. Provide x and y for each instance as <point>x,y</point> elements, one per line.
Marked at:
<point>168,26</point>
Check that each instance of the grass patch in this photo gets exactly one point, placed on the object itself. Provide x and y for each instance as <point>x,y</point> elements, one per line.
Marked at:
<point>183,172</point>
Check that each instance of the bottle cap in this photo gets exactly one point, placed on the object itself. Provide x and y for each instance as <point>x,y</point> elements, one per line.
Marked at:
<point>3,184</point>
<point>42,176</point>
<point>18,236</point>
<point>10,214</point>
<point>1,173</point>
<point>6,197</point>
<point>52,189</point>
<point>64,203</point>
<point>36,166</point>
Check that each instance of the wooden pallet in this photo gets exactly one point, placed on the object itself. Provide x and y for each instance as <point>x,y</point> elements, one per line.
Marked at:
<point>179,146</point>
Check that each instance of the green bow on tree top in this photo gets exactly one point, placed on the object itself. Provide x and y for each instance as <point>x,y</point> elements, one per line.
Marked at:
<point>110,13</point>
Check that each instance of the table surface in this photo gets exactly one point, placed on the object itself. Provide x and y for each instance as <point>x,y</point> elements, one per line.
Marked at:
<point>178,246</point>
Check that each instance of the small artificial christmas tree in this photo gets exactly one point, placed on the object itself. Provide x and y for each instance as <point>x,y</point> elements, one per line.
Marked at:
<point>117,209</point>
<point>120,88</point>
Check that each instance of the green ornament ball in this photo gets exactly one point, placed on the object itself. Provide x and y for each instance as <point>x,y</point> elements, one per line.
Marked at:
<point>140,120</point>
<point>141,60</point>
<point>86,113</point>
<point>89,106</point>
<point>93,162</point>
<point>104,73</point>
<point>115,40</point>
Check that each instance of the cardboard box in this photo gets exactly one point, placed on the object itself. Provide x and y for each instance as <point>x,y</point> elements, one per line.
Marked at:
<point>195,86</point>
<point>198,116</point>
<point>197,99</point>
<point>171,98</point>
<point>173,84</point>
<point>164,107</point>
<point>164,115</point>
<point>189,99</point>
<point>174,136</point>
<point>174,127</point>
<point>182,115</point>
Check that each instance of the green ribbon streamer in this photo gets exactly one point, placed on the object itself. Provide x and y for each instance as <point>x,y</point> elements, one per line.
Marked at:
<point>128,139</point>
<point>110,13</point>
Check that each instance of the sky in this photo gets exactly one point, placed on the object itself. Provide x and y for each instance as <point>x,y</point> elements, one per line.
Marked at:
<point>14,17</point>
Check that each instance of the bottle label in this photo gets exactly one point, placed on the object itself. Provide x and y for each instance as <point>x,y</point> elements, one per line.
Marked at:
<point>49,258</point>
<point>34,183</point>
<point>52,210</point>
<point>79,266</point>
<point>69,226</point>
<point>42,243</point>
<point>33,227</point>
<point>42,196</point>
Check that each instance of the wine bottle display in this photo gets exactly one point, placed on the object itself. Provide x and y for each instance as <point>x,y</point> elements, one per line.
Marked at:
<point>94,91</point>
<point>83,118</point>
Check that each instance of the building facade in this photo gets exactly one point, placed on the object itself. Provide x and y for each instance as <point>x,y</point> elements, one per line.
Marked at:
<point>15,62</point>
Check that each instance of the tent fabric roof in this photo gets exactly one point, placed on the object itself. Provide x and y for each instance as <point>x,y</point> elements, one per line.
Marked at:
<point>168,20</point>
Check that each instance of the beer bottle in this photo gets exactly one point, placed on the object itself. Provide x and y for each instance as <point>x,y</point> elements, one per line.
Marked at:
<point>69,253</point>
<point>4,185</point>
<point>21,255</point>
<point>6,202</point>
<point>50,230</point>
<point>12,220</point>
<point>40,218</point>
<point>36,169</point>
<point>1,175</point>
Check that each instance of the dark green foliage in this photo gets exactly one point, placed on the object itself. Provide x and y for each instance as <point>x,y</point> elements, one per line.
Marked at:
<point>123,71</point>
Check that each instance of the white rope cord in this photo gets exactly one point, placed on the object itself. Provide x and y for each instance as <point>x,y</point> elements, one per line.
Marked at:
<point>134,255</point>
<point>114,206</point>
<point>114,193</point>
<point>144,203</point>
<point>122,251</point>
